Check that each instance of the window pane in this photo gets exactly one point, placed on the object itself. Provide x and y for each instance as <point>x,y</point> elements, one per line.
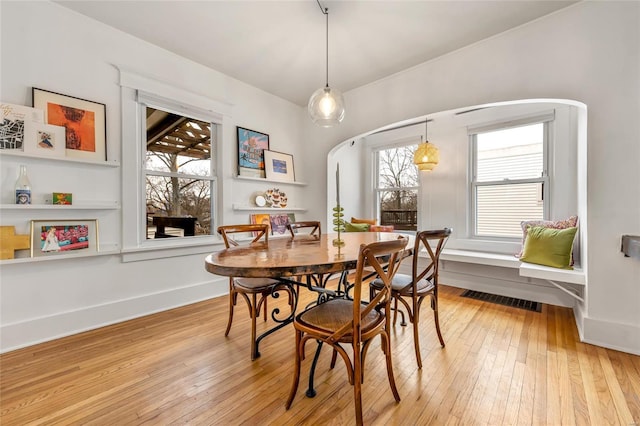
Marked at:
<point>177,144</point>
<point>501,208</point>
<point>515,153</point>
<point>396,168</point>
<point>400,209</point>
<point>181,206</point>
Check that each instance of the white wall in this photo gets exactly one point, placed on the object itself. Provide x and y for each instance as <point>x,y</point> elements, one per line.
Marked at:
<point>52,48</point>
<point>589,52</point>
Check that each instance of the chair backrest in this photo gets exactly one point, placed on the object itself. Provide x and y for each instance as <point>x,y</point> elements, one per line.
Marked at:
<point>294,226</point>
<point>384,257</point>
<point>259,232</point>
<point>433,241</point>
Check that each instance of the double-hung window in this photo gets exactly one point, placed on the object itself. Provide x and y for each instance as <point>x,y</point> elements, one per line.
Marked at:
<point>179,174</point>
<point>509,178</point>
<point>396,187</point>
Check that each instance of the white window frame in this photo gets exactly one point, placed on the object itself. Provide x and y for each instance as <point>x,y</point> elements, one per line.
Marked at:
<point>137,92</point>
<point>375,168</point>
<point>544,180</point>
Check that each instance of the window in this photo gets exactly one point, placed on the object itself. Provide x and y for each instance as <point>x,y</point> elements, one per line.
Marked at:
<point>509,178</point>
<point>179,175</point>
<point>397,187</point>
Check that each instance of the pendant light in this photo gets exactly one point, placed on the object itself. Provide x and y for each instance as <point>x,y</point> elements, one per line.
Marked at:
<point>326,105</point>
<point>426,156</point>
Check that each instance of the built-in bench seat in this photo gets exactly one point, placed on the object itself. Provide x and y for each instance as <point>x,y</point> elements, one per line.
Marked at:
<point>555,276</point>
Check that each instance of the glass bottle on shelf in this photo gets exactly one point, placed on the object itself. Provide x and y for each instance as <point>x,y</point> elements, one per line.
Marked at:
<point>23,187</point>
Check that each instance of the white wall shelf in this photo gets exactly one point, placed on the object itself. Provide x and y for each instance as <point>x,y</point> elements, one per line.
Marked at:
<point>16,153</point>
<point>105,250</point>
<point>239,207</point>
<point>106,205</point>
<point>264,180</point>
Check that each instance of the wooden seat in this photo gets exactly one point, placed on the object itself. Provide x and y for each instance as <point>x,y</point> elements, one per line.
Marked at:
<point>249,288</point>
<point>421,283</point>
<point>354,323</point>
<point>293,227</point>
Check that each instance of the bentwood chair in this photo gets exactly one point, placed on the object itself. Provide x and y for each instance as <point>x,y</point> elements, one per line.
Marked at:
<point>342,322</point>
<point>253,290</point>
<point>420,284</point>
<point>293,227</point>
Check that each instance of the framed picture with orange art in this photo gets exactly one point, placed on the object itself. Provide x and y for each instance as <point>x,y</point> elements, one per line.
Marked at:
<point>84,122</point>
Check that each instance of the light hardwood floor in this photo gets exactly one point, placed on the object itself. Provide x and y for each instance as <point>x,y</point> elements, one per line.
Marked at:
<point>501,365</point>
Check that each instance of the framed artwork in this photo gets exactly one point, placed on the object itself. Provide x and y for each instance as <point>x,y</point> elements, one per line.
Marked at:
<point>58,237</point>
<point>258,219</point>
<point>251,146</point>
<point>279,223</point>
<point>84,122</point>
<point>12,121</point>
<point>279,166</point>
<point>44,139</point>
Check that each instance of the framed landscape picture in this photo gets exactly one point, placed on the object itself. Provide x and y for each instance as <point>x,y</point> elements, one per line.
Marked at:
<point>279,166</point>
<point>251,146</point>
<point>84,122</point>
<point>58,237</point>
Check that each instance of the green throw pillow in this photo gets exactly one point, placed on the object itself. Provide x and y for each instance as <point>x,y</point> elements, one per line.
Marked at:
<point>549,247</point>
<point>356,227</point>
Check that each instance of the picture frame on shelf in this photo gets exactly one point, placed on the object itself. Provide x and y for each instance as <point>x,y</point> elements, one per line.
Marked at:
<point>12,122</point>
<point>251,146</point>
<point>84,122</point>
<point>279,166</point>
<point>64,237</point>
<point>44,139</point>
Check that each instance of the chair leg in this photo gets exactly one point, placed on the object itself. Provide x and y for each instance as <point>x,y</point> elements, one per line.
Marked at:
<point>232,303</point>
<point>386,341</point>
<point>254,316</point>
<point>416,334</point>
<point>434,305</point>
<point>296,371</point>
<point>357,384</point>
<point>334,356</point>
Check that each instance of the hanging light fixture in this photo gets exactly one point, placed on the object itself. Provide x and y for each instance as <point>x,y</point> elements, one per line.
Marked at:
<point>326,105</point>
<point>426,156</point>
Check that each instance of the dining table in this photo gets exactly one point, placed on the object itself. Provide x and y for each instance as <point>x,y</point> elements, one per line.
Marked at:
<point>302,260</point>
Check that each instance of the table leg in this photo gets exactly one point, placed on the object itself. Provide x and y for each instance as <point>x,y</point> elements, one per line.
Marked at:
<point>275,293</point>
<point>311,392</point>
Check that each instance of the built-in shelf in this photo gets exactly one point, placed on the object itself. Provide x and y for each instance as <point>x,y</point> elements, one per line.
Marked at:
<point>239,207</point>
<point>264,180</point>
<point>16,153</point>
<point>105,250</point>
<point>92,206</point>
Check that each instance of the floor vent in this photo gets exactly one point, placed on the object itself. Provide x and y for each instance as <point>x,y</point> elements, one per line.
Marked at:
<point>503,300</point>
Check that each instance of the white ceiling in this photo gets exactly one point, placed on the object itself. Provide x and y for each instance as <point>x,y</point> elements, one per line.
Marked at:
<point>279,46</point>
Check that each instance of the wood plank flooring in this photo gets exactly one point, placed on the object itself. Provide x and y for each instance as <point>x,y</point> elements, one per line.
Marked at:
<point>501,365</point>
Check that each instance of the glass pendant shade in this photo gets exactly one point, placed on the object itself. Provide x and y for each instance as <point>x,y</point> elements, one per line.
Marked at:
<point>326,107</point>
<point>426,156</point>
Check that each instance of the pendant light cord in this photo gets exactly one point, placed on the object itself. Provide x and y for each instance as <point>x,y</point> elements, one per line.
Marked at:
<point>325,11</point>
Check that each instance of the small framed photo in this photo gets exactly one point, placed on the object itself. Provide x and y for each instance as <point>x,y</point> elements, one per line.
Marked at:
<point>279,166</point>
<point>64,237</point>
<point>44,139</point>
<point>62,198</point>
<point>12,122</point>
<point>84,122</point>
<point>251,145</point>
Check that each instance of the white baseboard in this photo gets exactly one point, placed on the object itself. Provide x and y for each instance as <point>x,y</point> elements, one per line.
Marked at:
<point>26,333</point>
<point>612,335</point>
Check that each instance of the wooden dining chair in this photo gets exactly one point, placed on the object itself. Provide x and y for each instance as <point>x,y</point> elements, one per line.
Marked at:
<point>343,322</point>
<point>253,290</point>
<point>293,227</point>
<point>412,289</point>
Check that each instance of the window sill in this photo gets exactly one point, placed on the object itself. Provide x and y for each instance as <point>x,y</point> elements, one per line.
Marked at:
<point>160,249</point>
